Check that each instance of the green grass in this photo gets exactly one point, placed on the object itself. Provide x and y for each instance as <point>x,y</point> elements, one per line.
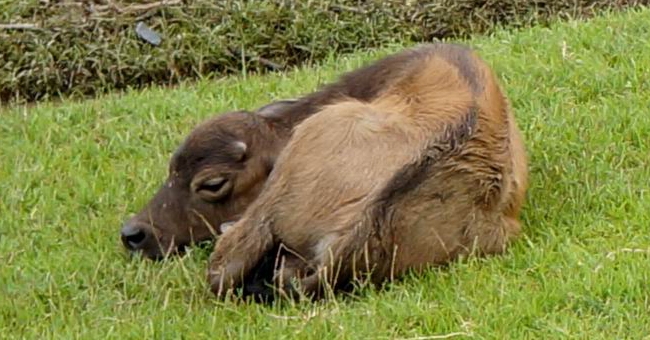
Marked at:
<point>71,172</point>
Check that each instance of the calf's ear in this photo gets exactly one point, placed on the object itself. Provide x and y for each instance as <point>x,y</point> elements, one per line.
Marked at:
<point>277,109</point>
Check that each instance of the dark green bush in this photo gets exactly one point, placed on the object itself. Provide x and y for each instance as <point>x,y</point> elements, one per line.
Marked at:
<point>77,48</point>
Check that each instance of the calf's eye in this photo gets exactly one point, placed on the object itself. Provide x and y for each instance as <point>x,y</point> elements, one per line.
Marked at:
<point>213,184</point>
<point>213,189</point>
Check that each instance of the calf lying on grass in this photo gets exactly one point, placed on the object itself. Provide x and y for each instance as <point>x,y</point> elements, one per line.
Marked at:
<point>431,168</point>
<point>221,166</point>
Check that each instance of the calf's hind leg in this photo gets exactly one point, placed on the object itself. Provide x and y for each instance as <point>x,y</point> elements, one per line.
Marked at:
<point>339,262</point>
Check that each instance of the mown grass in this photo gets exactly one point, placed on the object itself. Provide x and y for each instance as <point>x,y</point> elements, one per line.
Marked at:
<point>70,173</point>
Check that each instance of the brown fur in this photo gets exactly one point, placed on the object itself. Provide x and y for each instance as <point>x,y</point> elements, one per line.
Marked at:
<point>432,168</point>
<point>236,151</point>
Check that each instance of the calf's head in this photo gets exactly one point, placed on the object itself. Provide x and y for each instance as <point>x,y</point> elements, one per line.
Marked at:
<point>213,176</point>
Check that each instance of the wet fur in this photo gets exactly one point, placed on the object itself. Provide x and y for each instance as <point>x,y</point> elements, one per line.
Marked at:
<point>431,168</point>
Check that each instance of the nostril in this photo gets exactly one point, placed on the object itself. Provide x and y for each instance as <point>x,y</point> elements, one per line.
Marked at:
<point>136,238</point>
<point>133,237</point>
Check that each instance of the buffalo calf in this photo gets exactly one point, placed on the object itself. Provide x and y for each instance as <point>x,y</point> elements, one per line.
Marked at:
<point>431,168</point>
<point>222,165</point>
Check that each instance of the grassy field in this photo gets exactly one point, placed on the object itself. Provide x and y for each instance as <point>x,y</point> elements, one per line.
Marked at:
<point>70,173</point>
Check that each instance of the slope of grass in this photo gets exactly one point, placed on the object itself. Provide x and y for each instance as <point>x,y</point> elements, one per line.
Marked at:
<point>70,173</point>
<point>87,48</point>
